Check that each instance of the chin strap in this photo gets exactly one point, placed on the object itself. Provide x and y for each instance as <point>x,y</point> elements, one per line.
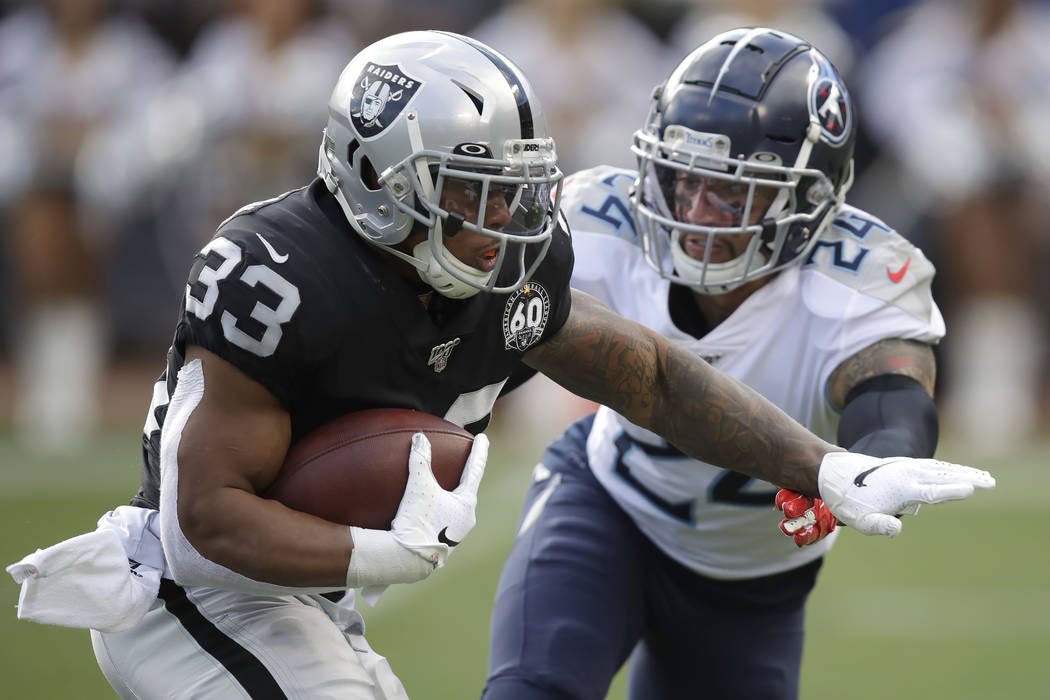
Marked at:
<point>431,271</point>
<point>423,258</point>
<point>713,274</point>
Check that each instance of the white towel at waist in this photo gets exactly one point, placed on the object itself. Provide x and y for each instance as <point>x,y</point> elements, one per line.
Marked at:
<point>87,581</point>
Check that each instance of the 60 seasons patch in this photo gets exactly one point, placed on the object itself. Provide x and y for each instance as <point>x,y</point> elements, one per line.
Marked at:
<point>525,317</point>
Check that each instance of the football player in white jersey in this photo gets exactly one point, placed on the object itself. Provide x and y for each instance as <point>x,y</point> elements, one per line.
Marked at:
<point>734,241</point>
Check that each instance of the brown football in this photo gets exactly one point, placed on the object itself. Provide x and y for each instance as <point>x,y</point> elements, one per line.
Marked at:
<point>354,469</point>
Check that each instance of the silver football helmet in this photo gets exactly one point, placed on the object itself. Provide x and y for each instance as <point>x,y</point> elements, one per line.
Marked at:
<point>421,120</point>
<point>754,129</point>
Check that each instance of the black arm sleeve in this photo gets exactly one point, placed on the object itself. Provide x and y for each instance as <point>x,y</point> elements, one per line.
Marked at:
<point>890,415</point>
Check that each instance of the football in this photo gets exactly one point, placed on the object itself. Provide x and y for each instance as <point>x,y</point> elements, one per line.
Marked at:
<point>354,469</point>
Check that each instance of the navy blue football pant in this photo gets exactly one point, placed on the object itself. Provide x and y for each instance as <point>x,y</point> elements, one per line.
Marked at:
<point>583,589</point>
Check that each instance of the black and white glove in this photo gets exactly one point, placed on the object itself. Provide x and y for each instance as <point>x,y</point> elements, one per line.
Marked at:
<point>430,521</point>
<point>868,493</point>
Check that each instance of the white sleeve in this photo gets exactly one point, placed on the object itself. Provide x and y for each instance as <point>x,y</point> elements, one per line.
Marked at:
<point>186,565</point>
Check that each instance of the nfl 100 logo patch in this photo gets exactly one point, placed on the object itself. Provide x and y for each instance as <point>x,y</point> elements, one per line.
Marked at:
<point>380,94</point>
<point>439,355</point>
<point>525,317</point>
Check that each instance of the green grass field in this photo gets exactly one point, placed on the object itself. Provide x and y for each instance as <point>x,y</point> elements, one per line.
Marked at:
<point>957,607</point>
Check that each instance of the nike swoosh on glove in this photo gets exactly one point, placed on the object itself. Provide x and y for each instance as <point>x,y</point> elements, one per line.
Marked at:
<point>429,516</point>
<point>806,520</point>
<point>868,493</point>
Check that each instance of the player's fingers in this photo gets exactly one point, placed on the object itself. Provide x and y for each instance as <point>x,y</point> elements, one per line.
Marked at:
<point>798,506</point>
<point>791,526</point>
<point>826,521</point>
<point>878,524</point>
<point>979,478</point>
<point>419,458</point>
<point>938,472</point>
<point>910,509</point>
<point>475,466</point>
<point>792,503</point>
<point>807,536</point>
<point>938,493</point>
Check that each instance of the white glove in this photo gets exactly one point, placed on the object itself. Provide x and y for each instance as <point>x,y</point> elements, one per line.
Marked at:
<point>867,493</point>
<point>431,521</point>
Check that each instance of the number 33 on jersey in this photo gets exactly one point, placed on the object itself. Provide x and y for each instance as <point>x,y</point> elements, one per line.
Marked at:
<point>261,331</point>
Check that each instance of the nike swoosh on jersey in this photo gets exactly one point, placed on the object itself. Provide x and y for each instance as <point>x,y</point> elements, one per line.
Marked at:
<point>897,276</point>
<point>859,479</point>
<point>277,258</point>
<point>445,540</point>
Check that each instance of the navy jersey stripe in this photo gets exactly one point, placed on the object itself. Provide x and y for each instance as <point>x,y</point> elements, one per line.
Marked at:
<point>241,663</point>
<point>516,86</point>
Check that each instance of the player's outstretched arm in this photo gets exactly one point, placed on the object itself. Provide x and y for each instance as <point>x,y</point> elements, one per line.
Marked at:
<point>711,417</point>
<point>656,384</point>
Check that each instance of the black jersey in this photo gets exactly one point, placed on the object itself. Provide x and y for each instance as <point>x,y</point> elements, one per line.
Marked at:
<point>288,293</point>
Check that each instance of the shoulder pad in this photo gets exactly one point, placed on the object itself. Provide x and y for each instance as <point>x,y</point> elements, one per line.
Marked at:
<point>253,207</point>
<point>596,201</point>
<point>863,253</point>
<point>272,248</point>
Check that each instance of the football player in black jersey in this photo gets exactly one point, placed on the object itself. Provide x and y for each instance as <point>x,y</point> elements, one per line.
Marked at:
<point>425,268</point>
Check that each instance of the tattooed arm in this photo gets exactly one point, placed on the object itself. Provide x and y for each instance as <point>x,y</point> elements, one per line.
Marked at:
<point>658,385</point>
<point>885,394</point>
<point>909,358</point>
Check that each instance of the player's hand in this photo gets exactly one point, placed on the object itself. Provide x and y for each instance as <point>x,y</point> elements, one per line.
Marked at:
<point>806,520</point>
<point>868,493</point>
<point>430,520</point>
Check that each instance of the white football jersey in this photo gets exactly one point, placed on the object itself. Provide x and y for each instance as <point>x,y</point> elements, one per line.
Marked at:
<point>861,284</point>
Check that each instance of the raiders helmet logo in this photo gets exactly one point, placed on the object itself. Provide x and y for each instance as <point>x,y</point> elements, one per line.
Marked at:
<point>380,94</point>
<point>829,102</point>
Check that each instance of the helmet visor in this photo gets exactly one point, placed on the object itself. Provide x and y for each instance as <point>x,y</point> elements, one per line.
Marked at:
<point>489,205</point>
<point>512,200</point>
<point>703,198</point>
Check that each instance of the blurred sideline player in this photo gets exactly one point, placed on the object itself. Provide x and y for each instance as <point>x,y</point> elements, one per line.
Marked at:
<point>420,270</point>
<point>741,250</point>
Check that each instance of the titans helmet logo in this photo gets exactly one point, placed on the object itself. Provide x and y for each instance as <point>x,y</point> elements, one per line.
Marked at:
<point>380,94</point>
<point>830,104</point>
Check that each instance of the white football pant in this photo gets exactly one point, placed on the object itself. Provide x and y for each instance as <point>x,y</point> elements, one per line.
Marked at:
<point>200,642</point>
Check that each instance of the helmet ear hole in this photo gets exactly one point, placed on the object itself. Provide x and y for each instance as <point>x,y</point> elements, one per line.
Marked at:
<point>819,192</point>
<point>369,176</point>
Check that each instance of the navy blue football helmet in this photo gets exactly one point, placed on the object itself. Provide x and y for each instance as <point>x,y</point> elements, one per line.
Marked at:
<point>759,123</point>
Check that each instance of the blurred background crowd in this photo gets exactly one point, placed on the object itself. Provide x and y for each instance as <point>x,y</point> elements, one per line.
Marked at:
<point>130,128</point>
